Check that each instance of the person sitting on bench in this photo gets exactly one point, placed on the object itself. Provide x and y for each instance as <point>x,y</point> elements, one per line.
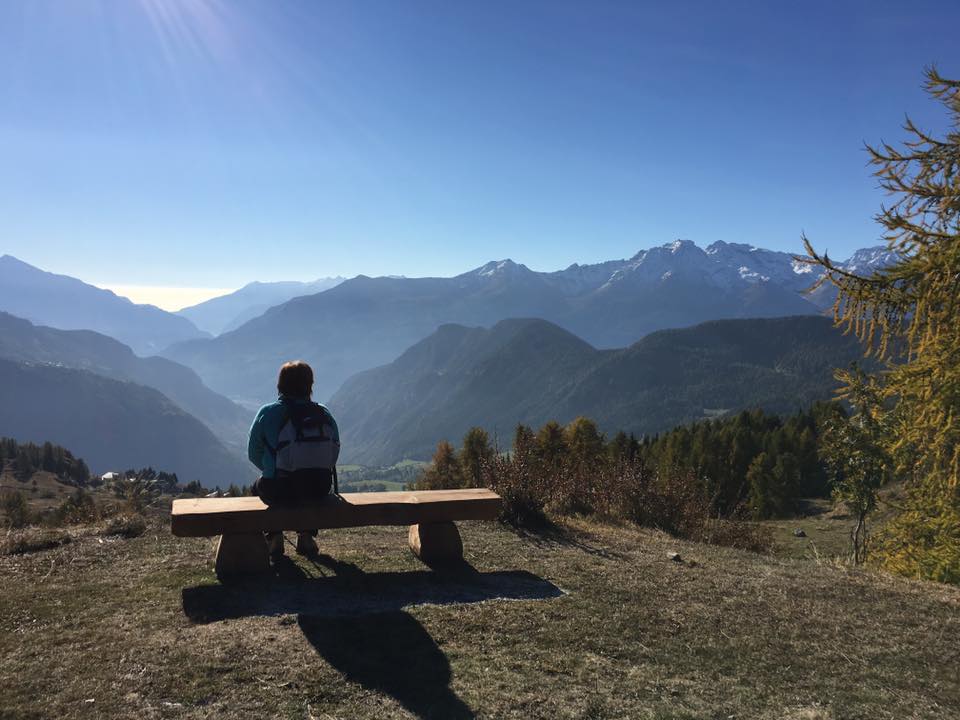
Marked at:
<point>294,442</point>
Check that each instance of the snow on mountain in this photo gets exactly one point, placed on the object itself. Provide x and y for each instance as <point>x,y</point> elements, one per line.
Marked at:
<point>721,264</point>
<point>863,262</point>
<point>500,269</point>
<point>578,279</point>
<point>759,265</point>
<point>866,260</point>
<point>366,322</point>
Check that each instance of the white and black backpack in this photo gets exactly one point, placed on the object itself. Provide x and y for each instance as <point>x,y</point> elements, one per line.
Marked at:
<point>306,447</point>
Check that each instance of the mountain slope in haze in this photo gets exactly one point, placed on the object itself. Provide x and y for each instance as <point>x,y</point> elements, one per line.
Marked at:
<point>510,373</point>
<point>532,371</point>
<point>67,303</point>
<point>358,324</point>
<point>87,350</point>
<point>228,312</point>
<point>671,377</point>
<point>364,322</point>
<point>111,424</point>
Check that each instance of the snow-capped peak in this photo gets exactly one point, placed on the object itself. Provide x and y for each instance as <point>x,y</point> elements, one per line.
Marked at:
<point>501,268</point>
<point>865,260</point>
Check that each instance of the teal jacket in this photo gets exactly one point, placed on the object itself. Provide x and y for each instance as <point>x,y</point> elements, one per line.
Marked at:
<point>265,432</point>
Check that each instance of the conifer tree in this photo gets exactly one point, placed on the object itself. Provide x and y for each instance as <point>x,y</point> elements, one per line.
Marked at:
<point>552,444</point>
<point>524,441</point>
<point>583,441</point>
<point>908,314</point>
<point>444,472</point>
<point>475,455</point>
<point>853,449</point>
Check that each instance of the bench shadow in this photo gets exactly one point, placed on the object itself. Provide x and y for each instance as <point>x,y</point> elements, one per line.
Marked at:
<point>355,620</point>
<point>390,653</point>
<point>352,592</point>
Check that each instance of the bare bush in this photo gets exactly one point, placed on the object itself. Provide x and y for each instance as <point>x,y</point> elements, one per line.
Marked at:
<point>623,489</point>
<point>31,539</point>
<point>126,525</point>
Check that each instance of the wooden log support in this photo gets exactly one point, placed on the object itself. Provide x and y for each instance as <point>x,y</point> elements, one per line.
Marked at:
<point>241,554</point>
<point>437,542</point>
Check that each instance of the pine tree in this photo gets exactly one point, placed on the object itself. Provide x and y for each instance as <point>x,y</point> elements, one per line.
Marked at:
<point>584,441</point>
<point>908,314</point>
<point>475,455</point>
<point>524,441</point>
<point>763,493</point>
<point>445,471</point>
<point>622,448</point>
<point>552,444</point>
<point>854,451</point>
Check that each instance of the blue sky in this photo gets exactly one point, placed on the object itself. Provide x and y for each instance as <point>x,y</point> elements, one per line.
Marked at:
<point>207,143</point>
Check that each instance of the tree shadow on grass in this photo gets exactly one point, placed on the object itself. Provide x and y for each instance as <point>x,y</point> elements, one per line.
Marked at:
<point>548,534</point>
<point>390,653</point>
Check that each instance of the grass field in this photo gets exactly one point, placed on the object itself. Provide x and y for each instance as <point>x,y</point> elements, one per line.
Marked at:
<point>587,622</point>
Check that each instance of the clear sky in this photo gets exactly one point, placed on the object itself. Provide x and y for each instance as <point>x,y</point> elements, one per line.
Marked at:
<point>208,143</point>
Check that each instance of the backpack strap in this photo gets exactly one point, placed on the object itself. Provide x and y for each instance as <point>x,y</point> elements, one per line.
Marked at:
<point>286,417</point>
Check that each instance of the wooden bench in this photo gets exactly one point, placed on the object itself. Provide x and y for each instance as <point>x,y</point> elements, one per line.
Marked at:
<point>241,521</point>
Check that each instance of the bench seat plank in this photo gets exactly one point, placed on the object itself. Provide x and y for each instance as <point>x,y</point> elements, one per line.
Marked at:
<point>205,517</point>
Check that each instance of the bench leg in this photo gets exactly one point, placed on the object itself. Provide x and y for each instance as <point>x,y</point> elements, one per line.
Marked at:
<point>242,554</point>
<point>436,542</point>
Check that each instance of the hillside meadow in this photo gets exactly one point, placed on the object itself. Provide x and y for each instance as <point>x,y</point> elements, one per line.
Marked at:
<point>581,621</point>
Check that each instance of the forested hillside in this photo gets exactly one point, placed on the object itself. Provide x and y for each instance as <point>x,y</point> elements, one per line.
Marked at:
<point>22,460</point>
<point>88,350</point>
<point>530,371</point>
<point>111,424</point>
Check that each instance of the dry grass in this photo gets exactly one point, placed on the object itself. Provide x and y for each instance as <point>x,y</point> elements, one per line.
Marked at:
<point>105,627</point>
<point>35,539</point>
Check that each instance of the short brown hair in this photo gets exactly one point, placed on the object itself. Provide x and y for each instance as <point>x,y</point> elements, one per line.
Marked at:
<point>295,379</point>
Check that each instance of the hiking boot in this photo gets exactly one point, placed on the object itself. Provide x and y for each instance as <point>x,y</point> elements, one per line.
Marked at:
<point>306,545</point>
<point>275,545</point>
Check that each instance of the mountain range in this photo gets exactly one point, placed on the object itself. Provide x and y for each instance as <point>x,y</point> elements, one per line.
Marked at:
<point>112,424</point>
<point>365,322</point>
<point>22,341</point>
<point>417,359</point>
<point>64,302</point>
<point>228,312</point>
<point>531,371</point>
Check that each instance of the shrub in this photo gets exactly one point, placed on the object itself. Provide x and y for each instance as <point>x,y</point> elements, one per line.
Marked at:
<point>15,508</point>
<point>127,525</point>
<point>517,482</point>
<point>78,508</point>
<point>17,542</point>
<point>575,476</point>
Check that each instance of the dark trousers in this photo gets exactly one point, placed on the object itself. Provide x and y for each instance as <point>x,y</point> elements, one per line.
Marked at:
<point>293,489</point>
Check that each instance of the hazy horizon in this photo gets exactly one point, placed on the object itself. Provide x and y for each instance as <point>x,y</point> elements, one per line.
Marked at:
<point>173,299</point>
